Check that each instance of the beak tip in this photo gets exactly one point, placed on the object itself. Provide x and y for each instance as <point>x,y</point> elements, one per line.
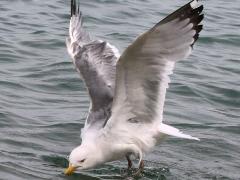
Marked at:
<point>69,170</point>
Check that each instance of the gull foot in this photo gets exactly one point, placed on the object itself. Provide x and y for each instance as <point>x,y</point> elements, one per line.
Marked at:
<point>140,169</point>
<point>129,162</point>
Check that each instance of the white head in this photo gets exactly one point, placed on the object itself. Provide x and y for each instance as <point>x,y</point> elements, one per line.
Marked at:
<point>83,157</point>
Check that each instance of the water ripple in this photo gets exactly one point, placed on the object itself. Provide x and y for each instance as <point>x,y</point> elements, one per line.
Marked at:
<point>43,102</point>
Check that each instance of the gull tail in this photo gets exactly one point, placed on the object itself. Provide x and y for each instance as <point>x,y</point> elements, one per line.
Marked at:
<point>172,131</point>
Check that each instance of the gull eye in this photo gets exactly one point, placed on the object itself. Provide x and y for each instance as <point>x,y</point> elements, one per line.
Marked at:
<point>82,160</point>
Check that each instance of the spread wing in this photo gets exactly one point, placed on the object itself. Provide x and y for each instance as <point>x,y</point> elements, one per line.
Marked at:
<point>143,69</point>
<point>95,60</point>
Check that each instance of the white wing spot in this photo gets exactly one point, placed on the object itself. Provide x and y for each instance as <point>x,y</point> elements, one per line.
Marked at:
<point>194,4</point>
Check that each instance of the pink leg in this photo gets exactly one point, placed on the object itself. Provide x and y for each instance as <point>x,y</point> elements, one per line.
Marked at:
<point>140,169</point>
<point>129,162</point>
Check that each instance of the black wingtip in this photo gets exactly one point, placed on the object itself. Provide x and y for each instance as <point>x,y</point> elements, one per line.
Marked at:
<point>195,37</point>
<point>200,18</point>
<point>71,8</point>
<point>75,7</point>
<point>196,17</point>
<point>192,11</point>
<point>198,28</point>
<point>198,10</point>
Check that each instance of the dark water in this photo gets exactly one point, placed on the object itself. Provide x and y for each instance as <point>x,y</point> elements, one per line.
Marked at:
<point>43,103</point>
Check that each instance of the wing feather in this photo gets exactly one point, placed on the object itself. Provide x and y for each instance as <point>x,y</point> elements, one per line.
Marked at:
<point>143,69</point>
<point>95,60</point>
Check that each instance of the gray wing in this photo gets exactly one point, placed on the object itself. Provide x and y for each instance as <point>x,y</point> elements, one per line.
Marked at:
<point>143,69</point>
<point>95,60</point>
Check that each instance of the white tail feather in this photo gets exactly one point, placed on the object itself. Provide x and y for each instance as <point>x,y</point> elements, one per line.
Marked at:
<point>172,131</point>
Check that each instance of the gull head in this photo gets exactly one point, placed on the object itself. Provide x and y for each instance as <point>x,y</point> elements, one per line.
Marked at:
<point>83,157</point>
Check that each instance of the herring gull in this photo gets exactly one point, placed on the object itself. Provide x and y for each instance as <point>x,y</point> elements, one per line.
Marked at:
<point>128,91</point>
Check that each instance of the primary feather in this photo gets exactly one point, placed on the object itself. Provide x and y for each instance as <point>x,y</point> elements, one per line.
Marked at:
<point>95,60</point>
<point>143,69</point>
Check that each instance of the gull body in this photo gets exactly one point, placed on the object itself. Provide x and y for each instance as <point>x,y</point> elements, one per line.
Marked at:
<point>110,145</point>
<point>127,91</point>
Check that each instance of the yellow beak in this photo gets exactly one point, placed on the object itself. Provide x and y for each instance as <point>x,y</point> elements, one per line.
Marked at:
<point>70,170</point>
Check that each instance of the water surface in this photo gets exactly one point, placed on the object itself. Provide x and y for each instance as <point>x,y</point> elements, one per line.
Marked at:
<point>43,103</point>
